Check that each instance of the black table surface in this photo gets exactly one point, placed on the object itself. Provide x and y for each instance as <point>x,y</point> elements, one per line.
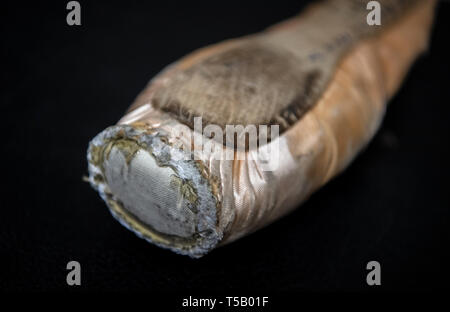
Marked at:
<point>61,85</point>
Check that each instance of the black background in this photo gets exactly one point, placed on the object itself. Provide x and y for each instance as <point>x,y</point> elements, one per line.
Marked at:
<point>62,85</point>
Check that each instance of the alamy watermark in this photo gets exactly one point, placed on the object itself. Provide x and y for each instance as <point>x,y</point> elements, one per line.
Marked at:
<point>74,276</point>
<point>232,142</point>
<point>374,276</point>
<point>74,15</point>
<point>374,16</point>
